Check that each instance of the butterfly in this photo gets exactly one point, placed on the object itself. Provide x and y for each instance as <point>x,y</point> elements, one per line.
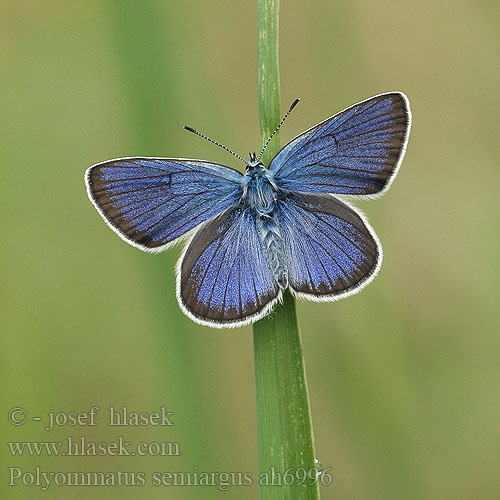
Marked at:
<point>252,235</point>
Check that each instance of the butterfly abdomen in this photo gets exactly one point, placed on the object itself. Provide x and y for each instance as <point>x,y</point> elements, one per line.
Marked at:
<point>272,240</point>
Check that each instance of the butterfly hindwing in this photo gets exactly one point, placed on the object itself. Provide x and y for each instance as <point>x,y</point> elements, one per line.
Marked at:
<point>150,202</point>
<point>357,151</point>
<point>223,278</point>
<point>331,249</point>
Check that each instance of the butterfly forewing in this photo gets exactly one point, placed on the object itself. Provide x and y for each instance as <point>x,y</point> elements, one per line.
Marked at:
<point>224,278</point>
<point>150,202</point>
<point>356,151</point>
<point>331,250</point>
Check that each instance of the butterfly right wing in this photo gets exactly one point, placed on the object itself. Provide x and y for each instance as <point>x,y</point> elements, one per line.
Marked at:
<point>151,202</point>
<point>355,152</point>
<point>223,278</point>
<point>332,251</point>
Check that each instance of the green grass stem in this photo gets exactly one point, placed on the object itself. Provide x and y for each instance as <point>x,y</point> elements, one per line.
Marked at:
<point>283,416</point>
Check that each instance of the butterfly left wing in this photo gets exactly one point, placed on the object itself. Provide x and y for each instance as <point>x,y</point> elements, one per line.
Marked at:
<point>151,202</point>
<point>331,250</point>
<point>223,278</point>
<point>357,151</point>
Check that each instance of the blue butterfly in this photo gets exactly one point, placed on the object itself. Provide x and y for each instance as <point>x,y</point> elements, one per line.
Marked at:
<point>251,236</point>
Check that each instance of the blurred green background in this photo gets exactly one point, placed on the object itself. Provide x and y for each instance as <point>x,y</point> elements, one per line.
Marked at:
<point>403,377</point>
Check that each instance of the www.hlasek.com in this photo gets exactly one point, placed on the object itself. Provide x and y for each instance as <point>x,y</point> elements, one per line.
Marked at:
<point>81,447</point>
<point>223,481</point>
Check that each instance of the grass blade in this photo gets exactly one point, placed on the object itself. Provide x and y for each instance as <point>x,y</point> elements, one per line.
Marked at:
<point>283,415</point>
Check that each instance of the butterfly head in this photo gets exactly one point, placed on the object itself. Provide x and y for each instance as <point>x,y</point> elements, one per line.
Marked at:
<point>254,165</point>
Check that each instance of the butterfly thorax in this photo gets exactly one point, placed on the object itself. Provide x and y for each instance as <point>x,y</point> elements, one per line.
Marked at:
<point>259,189</point>
<point>260,193</point>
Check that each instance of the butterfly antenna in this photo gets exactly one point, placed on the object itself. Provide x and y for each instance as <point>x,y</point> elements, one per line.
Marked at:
<point>294,103</point>
<point>214,142</point>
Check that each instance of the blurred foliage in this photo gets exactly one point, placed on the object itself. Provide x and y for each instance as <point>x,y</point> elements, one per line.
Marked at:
<point>403,377</point>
